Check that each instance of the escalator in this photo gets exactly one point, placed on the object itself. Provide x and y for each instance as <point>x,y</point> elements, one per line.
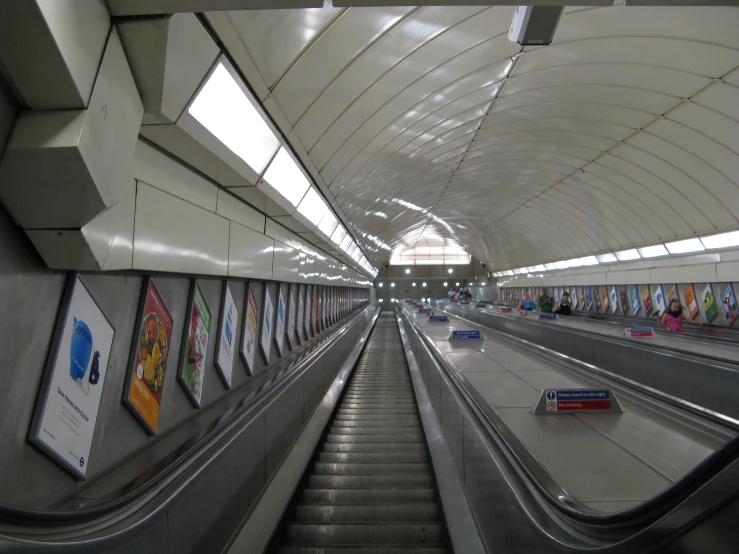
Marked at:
<point>371,484</point>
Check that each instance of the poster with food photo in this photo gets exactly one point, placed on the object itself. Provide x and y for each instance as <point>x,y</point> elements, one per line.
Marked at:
<point>709,303</point>
<point>691,304</point>
<point>647,300</point>
<point>195,346</point>
<point>728,301</point>
<point>143,393</point>
<point>249,338</point>
<point>225,346</point>
<point>67,410</point>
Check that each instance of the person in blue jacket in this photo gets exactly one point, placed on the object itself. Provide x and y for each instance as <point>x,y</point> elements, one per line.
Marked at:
<point>527,304</point>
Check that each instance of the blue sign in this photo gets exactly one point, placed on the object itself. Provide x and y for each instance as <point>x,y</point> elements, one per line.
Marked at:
<point>465,335</point>
<point>424,310</point>
<point>564,395</point>
<point>439,318</point>
<point>480,305</point>
<point>547,316</point>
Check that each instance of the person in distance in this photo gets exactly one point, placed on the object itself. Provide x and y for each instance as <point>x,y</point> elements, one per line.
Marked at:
<point>565,306</point>
<point>673,318</point>
<point>527,304</point>
<point>546,302</point>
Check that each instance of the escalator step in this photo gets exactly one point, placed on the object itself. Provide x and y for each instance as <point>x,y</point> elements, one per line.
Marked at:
<point>374,447</point>
<point>368,496</point>
<point>398,457</point>
<point>369,468</point>
<point>367,534</point>
<point>396,481</point>
<point>376,430</point>
<point>374,513</point>
<point>362,550</point>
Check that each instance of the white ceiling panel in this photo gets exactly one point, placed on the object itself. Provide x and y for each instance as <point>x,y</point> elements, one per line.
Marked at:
<point>622,132</point>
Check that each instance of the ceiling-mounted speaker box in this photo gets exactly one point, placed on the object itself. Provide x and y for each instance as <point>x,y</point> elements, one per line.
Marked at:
<point>534,25</point>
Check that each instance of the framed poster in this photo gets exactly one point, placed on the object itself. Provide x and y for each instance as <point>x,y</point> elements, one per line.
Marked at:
<point>314,313</point>
<point>249,337</point>
<point>224,358</point>
<point>149,355</point>
<point>623,295</point>
<point>614,300</point>
<point>596,298</point>
<point>291,318</point>
<point>574,299</point>
<point>308,312</point>
<point>66,413</point>
<point>279,318</point>
<point>300,323</point>
<point>635,304</point>
<point>673,294</point>
<point>728,301</point>
<point>267,324</point>
<point>589,298</point>
<point>647,300</point>
<point>659,300</point>
<point>195,346</point>
<point>691,305</point>
<point>604,298</point>
<point>709,303</point>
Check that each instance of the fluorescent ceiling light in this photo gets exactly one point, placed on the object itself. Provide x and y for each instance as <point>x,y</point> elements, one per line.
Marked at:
<point>346,242</point>
<point>223,108</point>
<point>414,284</point>
<point>550,267</point>
<point>379,285</point>
<point>626,255</point>
<point>482,285</point>
<point>653,251</point>
<point>516,271</point>
<point>607,258</point>
<point>312,207</point>
<point>284,175</point>
<point>561,265</point>
<point>540,267</point>
<point>423,285</point>
<point>328,223</point>
<point>574,262</point>
<point>724,240</point>
<point>408,270</point>
<point>509,272</point>
<point>338,235</point>
<point>530,269</point>
<point>589,260</point>
<point>450,270</point>
<point>685,246</point>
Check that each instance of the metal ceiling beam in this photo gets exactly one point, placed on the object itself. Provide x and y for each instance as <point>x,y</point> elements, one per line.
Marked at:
<point>130,8</point>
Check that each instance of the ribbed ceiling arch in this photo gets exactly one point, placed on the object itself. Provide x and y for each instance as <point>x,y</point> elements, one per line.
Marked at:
<point>623,132</point>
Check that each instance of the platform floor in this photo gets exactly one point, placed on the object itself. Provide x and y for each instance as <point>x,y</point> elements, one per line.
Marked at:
<point>608,461</point>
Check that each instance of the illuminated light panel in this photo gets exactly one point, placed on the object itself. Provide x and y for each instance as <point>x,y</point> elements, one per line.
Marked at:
<point>346,242</point>
<point>338,235</point>
<point>224,109</point>
<point>540,267</point>
<point>561,265</point>
<point>653,251</point>
<point>284,175</point>
<point>574,262</point>
<point>607,258</point>
<point>724,240</point>
<point>685,246</point>
<point>328,223</point>
<point>550,267</point>
<point>312,207</point>
<point>626,255</point>
<point>589,260</point>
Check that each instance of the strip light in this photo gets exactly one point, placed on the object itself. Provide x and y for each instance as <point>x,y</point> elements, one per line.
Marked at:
<point>626,255</point>
<point>653,251</point>
<point>724,240</point>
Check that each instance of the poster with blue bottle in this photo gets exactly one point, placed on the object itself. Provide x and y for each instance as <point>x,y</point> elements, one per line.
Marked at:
<point>67,410</point>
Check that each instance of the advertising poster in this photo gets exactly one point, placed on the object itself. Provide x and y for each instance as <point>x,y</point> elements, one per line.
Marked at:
<point>224,358</point>
<point>691,305</point>
<point>280,318</point>
<point>268,317</point>
<point>596,298</point>
<point>589,298</point>
<point>314,313</point>
<point>195,346</point>
<point>308,312</point>
<point>573,298</point>
<point>728,301</point>
<point>659,300</point>
<point>249,338</point>
<point>647,300</point>
<point>149,357</point>
<point>65,418</point>
<point>709,303</point>
<point>614,300</point>
<point>673,294</point>
<point>635,304</point>
<point>291,317</point>
<point>557,296</point>
<point>604,298</point>
<point>624,297</point>
<point>300,322</point>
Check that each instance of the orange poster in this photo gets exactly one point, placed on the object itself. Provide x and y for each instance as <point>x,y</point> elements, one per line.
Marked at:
<point>690,303</point>
<point>149,359</point>
<point>604,298</point>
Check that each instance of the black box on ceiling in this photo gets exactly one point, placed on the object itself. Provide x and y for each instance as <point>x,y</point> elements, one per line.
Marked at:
<point>534,25</point>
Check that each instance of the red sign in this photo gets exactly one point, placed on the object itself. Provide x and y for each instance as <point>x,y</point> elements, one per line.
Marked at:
<point>576,405</point>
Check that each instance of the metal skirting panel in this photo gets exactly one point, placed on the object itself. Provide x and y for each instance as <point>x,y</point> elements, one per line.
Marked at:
<point>711,385</point>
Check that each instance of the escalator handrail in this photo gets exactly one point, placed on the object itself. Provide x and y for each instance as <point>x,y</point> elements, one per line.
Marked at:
<point>636,516</point>
<point>194,448</point>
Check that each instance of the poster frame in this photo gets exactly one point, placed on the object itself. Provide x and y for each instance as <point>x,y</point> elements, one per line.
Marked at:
<point>707,312</point>
<point>185,341</point>
<point>266,341</point>
<point>635,300</point>
<point>299,328</point>
<point>50,369</point>
<point>226,377</point>
<point>249,294</point>
<point>130,369</point>
<point>308,316</point>
<point>731,314</point>
<point>279,333</point>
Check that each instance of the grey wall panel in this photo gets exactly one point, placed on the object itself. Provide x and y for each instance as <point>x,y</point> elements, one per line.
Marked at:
<point>152,539</point>
<point>203,519</point>
<point>283,421</point>
<point>313,383</point>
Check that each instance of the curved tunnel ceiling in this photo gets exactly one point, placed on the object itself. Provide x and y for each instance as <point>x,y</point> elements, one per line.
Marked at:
<point>623,132</point>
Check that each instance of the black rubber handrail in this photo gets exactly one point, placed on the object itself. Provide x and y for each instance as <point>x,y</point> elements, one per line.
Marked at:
<point>635,517</point>
<point>164,468</point>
